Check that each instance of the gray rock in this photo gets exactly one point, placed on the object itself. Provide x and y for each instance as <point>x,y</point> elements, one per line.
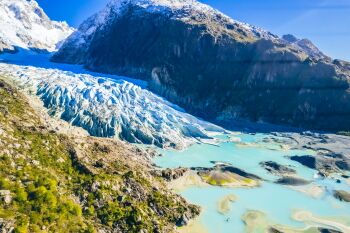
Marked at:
<point>95,186</point>
<point>324,163</point>
<point>274,230</point>
<point>173,174</point>
<point>293,181</point>
<point>342,195</point>
<point>5,196</point>
<point>306,160</point>
<point>6,226</point>
<point>325,230</point>
<point>277,169</point>
<point>183,221</point>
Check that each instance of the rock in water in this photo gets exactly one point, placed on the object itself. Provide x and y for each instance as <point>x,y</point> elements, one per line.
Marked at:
<point>277,169</point>
<point>306,160</point>
<point>342,195</point>
<point>217,68</point>
<point>293,181</point>
<point>325,164</point>
<point>226,175</point>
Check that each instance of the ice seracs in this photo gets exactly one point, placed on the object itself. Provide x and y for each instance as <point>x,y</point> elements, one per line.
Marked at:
<point>111,108</point>
<point>24,24</point>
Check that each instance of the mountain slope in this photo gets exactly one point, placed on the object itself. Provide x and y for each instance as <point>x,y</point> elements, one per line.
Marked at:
<point>24,24</point>
<point>307,46</point>
<point>52,182</point>
<point>215,67</point>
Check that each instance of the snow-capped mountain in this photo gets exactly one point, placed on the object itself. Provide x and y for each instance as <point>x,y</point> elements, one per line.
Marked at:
<point>184,10</point>
<point>110,108</point>
<point>214,66</point>
<point>188,11</point>
<point>24,24</point>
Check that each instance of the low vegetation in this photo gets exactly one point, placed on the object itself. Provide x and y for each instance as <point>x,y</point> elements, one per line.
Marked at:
<point>344,133</point>
<point>56,183</point>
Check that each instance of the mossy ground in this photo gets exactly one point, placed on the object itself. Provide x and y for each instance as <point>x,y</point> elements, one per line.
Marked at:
<point>63,184</point>
<point>227,179</point>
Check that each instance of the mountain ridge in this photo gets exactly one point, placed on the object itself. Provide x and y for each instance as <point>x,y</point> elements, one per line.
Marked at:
<point>216,68</point>
<point>189,11</point>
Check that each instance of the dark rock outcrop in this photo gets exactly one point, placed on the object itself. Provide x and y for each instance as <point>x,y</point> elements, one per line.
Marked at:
<point>277,169</point>
<point>293,181</point>
<point>325,164</point>
<point>325,230</point>
<point>342,195</point>
<point>173,174</point>
<point>306,160</point>
<point>274,230</point>
<point>216,68</point>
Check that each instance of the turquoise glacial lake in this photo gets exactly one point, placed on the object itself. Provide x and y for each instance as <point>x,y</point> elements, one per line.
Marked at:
<point>277,201</point>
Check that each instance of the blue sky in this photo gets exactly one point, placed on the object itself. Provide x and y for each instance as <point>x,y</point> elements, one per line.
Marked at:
<point>325,22</point>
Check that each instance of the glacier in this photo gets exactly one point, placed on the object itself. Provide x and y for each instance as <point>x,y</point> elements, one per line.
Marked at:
<point>105,105</point>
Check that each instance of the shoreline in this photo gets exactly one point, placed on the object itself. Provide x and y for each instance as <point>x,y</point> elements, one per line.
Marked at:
<point>189,179</point>
<point>194,226</point>
<point>224,204</point>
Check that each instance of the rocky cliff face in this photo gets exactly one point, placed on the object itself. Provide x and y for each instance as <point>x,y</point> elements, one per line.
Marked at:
<point>215,67</point>
<point>24,24</point>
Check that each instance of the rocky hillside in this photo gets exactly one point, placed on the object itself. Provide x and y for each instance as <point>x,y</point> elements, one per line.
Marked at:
<point>51,182</point>
<point>214,66</point>
<point>23,24</point>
